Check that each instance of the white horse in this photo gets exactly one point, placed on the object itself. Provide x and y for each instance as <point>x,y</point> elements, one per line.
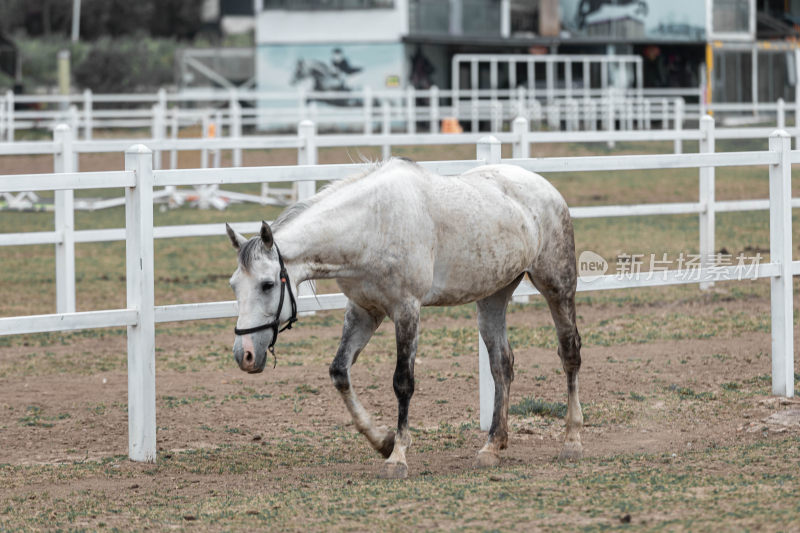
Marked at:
<point>398,238</point>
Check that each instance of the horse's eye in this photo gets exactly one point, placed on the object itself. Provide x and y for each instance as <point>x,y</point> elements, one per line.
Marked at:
<point>266,285</point>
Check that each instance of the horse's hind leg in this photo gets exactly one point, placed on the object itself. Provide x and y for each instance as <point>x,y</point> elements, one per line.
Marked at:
<point>492,325</point>
<point>359,325</point>
<point>558,288</point>
<point>406,327</point>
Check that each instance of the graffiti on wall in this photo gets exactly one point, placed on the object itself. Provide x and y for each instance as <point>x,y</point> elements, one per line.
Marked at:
<point>324,68</point>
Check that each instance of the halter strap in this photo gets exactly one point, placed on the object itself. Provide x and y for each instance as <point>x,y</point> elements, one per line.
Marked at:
<point>276,322</point>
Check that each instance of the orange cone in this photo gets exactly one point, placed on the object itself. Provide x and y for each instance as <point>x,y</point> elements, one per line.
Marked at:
<point>451,125</point>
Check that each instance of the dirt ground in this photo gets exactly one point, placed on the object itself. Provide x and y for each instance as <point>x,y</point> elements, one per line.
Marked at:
<point>299,396</point>
<point>677,388</point>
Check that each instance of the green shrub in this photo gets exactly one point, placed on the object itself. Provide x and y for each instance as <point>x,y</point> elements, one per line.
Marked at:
<point>126,65</point>
<point>108,65</point>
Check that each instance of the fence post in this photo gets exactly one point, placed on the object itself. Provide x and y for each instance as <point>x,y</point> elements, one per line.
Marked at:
<point>88,110</point>
<point>488,150</point>
<point>386,128</point>
<point>174,126</point>
<point>678,125</point>
<point>474,112</point>
<point>610,117</point>
<point>236,131</point>
<point>521,107</point>
<point>552,111</point>
<point>140,289</point>
<point>159,125</point>
<point>63,202</point>
<point>217,135</point>
<point>157,133</point>
<point>521,146</point>
<point>707,197</point>
<point>2,119</point>
<point>575,113</point>
<point>434,109</point>
<point>73,120</point>
<point>640,113</point>
<point>236,126</point>
<point>367,110</point>
<point>307,155</point>
<point>205,121</point>
<point>797,104</point>
<point>780,252</point>
<point>646,111</point>
<point>10,115</point>
<point>411,101</point>
<point>781,114</point>
<point>497,116</point>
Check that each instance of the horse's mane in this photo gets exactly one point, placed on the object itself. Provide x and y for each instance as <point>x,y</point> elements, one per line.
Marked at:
<point>370,168</point>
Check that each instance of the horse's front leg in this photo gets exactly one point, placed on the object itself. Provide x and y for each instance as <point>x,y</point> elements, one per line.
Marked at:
<point>406,327</point>
<point>359,326</point>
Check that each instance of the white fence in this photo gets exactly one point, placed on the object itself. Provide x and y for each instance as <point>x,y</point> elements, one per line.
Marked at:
<point>65,152</point>
<point>607,121</point>
<point>139,180</point>
<point>365,110</point>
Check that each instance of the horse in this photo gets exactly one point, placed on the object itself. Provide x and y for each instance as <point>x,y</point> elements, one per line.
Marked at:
<point>396,238</point>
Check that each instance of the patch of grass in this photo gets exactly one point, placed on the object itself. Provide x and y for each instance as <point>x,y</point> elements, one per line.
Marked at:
<point>530,406</point>
<point>306,389</point>
<point>686,393</point>
<point>34,417</point>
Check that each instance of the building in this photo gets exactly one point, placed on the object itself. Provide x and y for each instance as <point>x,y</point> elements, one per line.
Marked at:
<point>342,45</point>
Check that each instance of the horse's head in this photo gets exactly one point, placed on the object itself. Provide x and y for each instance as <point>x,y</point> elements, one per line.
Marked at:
<point>265,296</point>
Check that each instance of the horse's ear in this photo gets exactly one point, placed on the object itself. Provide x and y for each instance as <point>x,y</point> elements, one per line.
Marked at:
<point>266,235</point>
<point>236,239</point>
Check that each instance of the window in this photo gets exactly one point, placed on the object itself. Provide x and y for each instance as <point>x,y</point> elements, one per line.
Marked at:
<point>731,18</point>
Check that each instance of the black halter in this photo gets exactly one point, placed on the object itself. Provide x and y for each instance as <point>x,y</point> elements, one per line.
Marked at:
<point>277,321</point>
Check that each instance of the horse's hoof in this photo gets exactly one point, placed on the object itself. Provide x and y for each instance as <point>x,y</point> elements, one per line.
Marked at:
<point>387,445</point>
<point>571,452</point>
<point>394,471</point>
<point>487,460</point>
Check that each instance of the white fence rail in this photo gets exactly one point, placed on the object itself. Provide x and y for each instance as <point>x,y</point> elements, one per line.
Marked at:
<point>140,178</point>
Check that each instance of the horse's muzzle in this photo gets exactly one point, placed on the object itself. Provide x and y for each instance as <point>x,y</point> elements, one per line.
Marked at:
<point>247,357</point>
<point>248,362</point>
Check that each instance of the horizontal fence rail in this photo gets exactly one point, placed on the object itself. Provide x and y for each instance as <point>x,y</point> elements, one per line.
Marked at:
<point>141,314</point>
